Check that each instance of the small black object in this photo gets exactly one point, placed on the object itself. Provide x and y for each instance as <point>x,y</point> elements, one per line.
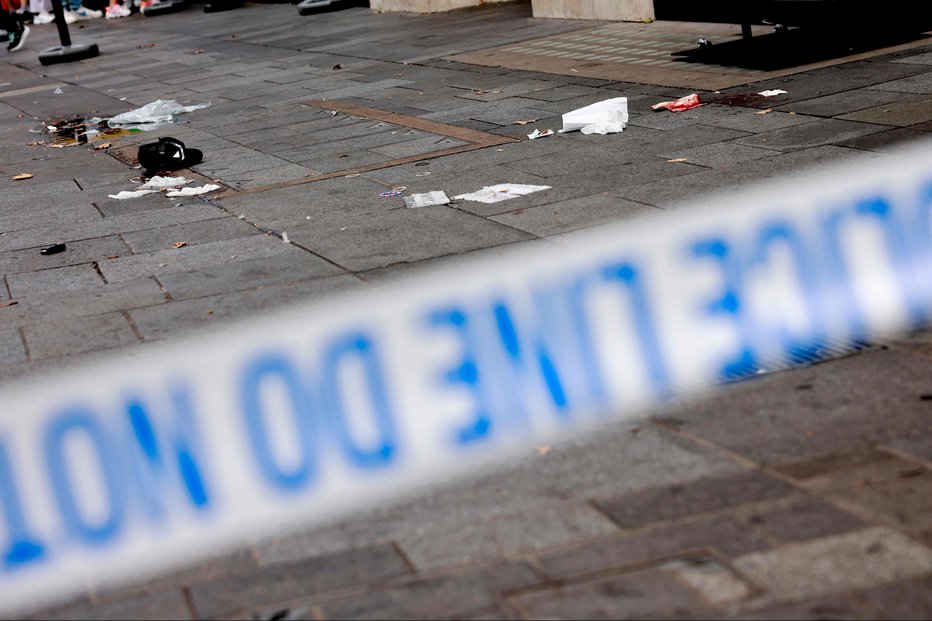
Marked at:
<point>52,249</point>
<point>704,44</point>
<point>168,154</point>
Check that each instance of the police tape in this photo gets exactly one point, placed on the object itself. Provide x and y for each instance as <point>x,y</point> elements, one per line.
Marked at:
<point>135,465</point>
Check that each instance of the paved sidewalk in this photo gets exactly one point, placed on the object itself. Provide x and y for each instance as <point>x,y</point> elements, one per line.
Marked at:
<point>802,494</point>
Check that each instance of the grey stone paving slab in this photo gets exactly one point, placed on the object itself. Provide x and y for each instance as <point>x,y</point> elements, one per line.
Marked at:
<point>506,536</point>
<point>920,84</point>
<point>904,505</point>
<point>562,93</point>
<point>835,79</point>
<point>167,604</point>
<point>330,204</point>
<point>573,214</point>
<point>71,278</point>
<point>193,257</point>
<point>908,599</point>
<point>54,305</point>
<point>189,233</point>
<point>670,192</point>
<point>638,594</point>
<point>168,320</point>
<point>856,560</point>
<point>341,161</point>
<point>457,595</point>
<point>719,154</point>
<point>243,275</point>
<point>101,227</point>
<point>401,235</point>
<point>75,336</point>
<point>701,496</point>
<point>888,141</point>
<point>917,59</point>
<point>573,471</point>
<point>820,132</point>
<point>829,607</point>
<point>843,408</point>
<point>747,119</point>
<point>287,582</point>
<point>806,520</point>
<point>82,251</point>
<point>902,113</point>
<point>846,468</point>
<point>269,176</point>
<point>843,103</point>
<point>11,347</point>
<point>416,147</point>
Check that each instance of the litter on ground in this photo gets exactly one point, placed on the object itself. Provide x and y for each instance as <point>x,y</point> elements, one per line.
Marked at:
<point>22,177</point>
<point>126,194</point>
<point>603,117</point>
<point>204,189</point>
<point>52,249</point>
<point>501,192</point>
<point>427,199</point>
<point>683,103</point>
<point>396,191</point>
<point>161,183</point>
<point>761,112</point>
<point>772,93</point>
<point>151,115</point>
<point>540,134</point>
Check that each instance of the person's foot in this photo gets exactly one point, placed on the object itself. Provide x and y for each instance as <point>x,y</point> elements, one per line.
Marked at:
<point>17,39</point>
<point>83,13</point>
<point>43,18</point>
<point>117,10</point>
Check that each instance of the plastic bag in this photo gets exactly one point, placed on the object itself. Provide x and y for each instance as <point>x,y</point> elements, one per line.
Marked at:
<point>151,115</point>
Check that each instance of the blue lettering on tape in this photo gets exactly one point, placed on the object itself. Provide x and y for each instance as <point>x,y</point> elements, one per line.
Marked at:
<point>728,303</point>
<point>78,422</point>
<point>796,348</point>
<point>23,546</point>
<point>644,325</point>
<point>340,351</point>
<point>276,370</point>
<point>465,373</point>
<point>166,449</point>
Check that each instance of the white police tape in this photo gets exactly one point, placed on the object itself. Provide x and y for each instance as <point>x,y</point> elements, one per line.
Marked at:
<point>132,466</point>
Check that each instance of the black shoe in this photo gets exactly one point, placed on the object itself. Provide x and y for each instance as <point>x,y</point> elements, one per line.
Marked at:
<point>17,39</point>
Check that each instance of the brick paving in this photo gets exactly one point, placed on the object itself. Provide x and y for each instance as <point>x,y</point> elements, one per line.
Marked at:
<point>801,494</point>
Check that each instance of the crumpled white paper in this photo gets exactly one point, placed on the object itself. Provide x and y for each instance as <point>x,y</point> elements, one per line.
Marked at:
<point>153,114</point>
<point>122,196</point>
<point>428,199</point>
<point>501,192</point>
<point>603,117</point>
<point>204,189</point>
<point>160,183</point>
<point>772,93</point>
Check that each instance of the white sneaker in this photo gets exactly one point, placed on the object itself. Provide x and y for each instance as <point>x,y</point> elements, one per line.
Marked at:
<point>86,13</point>
<point>70,17</point>
<point>43,18</point>
<point>118,10</point>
